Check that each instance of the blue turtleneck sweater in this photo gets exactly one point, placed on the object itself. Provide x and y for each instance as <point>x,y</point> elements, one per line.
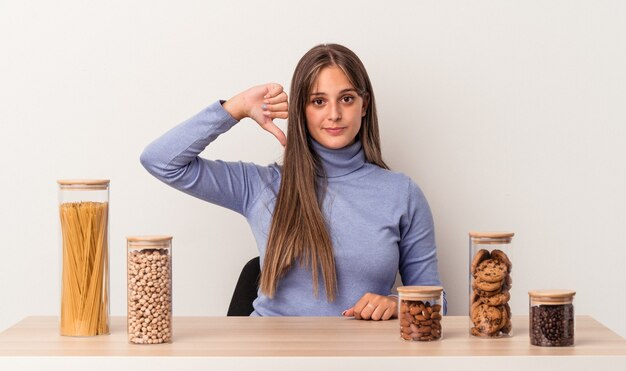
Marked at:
<point>379,220</point>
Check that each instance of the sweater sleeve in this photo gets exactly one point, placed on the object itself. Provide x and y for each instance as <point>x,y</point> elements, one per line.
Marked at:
<point>418,251</point>
<point>174,159</point>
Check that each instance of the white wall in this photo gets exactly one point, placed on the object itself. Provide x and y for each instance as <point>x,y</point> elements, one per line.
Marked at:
<point>509,114</point>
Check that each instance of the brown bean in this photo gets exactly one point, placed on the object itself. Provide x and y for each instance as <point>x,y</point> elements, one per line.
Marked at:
<point>424,330</point>
<point>419,321</point>
<point>409,317</point>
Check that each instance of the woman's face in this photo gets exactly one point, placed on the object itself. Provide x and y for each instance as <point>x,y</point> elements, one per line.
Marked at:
<point>334,109</point>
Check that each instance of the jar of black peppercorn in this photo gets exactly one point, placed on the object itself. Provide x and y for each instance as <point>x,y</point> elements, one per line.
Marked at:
<point>551,318</point>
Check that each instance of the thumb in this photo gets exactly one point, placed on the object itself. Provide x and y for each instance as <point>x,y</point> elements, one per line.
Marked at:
<point>275,130</point>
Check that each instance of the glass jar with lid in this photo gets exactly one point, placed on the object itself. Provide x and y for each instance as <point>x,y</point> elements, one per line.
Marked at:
<point>149,278</point>
<point>84,221</point>
<point>490,283</point>
<point>551,317</point>
<point>420,312</point>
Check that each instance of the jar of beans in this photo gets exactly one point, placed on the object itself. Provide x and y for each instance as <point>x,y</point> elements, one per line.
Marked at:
<point>149,266</point>
<point>420,312</point>
<point>551,318</point>
<point>490,284</point>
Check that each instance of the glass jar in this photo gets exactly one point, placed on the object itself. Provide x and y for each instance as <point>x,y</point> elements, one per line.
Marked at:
<point>84,217</point>
<point>490,284</point>
<point>420,312</point>
<point>551,317</point>
<point>149,278</point>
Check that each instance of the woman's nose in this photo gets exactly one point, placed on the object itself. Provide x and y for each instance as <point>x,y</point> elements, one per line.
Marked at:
<point>334,113</point>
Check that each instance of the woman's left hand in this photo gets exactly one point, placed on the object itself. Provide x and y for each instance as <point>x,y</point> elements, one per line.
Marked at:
<point>374,307</point>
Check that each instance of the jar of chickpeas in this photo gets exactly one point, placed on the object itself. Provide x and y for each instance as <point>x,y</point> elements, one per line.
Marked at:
<point>149,260</point>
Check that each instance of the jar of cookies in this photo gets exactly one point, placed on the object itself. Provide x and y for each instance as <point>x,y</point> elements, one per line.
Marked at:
<point>490,284</point>
<point>149,277</point>
<point>84,222</point>
<point>420,312</point>
<point>551,318</point>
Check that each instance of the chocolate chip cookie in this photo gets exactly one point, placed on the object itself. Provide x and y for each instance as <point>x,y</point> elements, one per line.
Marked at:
<point>491,270</point>
<point>491,281</point>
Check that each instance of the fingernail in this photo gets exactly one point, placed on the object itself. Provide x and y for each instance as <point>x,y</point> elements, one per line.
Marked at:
<point>344,312</point>
<point>263,106</point>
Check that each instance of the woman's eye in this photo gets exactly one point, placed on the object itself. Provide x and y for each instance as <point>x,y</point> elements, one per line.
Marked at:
<point>318,102</point>
<point>348,99</point>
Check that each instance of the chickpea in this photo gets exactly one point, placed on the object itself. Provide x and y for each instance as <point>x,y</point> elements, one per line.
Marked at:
<point>149,296</point>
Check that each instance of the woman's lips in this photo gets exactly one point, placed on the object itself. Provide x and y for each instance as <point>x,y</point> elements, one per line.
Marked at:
<point>334,131</point>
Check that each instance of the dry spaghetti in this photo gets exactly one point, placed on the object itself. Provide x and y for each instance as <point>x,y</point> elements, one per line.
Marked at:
<point>84,296</point>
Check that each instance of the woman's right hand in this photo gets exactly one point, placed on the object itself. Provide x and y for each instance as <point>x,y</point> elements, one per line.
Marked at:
<point>263,104</point>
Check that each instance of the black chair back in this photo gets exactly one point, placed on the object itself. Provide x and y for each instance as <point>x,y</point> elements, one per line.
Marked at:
<point>246,289</point>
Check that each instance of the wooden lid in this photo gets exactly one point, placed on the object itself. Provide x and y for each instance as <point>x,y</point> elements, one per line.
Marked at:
<point>552,296</point>
<point>149,240</point>
<point>84,183</point>
<point>421,291</point>
<point>475,234</point>
<point>491,237</point>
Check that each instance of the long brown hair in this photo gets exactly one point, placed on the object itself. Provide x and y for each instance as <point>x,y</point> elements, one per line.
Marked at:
<point>298,230</point>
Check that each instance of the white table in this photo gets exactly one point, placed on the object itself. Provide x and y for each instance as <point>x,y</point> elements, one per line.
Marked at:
<point>316,343</point>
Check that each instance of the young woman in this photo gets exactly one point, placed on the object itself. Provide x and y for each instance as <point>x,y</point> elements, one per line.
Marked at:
<point>333,225</point>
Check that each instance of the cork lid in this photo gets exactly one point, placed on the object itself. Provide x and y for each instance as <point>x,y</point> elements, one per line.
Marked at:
<point>84,183</point>
<point>156,241</point>
<point>491,237</point>
<point>421,291</point>
<point>552,296</point>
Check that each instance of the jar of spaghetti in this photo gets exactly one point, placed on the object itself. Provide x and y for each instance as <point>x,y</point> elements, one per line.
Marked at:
<point>420,312</point>
<point>490,284</point>
<point>551,318</point>
<point>84,217</point>
<point>149,267</point>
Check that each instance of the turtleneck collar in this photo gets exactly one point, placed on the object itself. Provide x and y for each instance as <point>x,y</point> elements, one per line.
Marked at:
<point>340,162</point>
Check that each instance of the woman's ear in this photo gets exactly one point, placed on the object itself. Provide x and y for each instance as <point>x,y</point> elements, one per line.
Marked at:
<point>366,101</point>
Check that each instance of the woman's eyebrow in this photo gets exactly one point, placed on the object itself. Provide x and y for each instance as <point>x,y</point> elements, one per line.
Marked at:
<point>346,90</point>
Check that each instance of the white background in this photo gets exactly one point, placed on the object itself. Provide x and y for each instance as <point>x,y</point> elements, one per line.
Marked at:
<point>511,115</point>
